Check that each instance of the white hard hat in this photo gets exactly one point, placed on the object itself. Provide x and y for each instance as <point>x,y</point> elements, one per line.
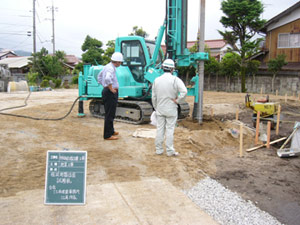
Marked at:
<point>117,57</point>
<point>168,63</point>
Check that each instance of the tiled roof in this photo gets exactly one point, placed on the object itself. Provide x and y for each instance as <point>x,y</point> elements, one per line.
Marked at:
<point>218,43</point>
<point>212,44</point>
<point>16,62</point>
<point>3,53</point>
<point>72,59</point>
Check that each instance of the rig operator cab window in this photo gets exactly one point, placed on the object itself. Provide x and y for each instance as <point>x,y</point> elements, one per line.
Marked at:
<point>134,57</point>
<point>151,48</point>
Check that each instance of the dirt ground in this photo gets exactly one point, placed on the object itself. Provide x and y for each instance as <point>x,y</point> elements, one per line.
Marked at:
<point>272,183</point>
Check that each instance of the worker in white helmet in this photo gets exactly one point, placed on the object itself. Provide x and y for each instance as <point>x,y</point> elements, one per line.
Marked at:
<point>108,79</point>
<point>167,92</point>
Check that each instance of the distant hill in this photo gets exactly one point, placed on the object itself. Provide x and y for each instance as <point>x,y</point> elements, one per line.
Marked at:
<point>17,52</point>
<point>22,53</point>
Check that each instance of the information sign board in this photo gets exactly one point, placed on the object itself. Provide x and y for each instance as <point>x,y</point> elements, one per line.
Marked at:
<point>65,177</point>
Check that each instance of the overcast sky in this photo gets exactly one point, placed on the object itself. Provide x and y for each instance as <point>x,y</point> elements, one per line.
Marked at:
<point>101,19</point>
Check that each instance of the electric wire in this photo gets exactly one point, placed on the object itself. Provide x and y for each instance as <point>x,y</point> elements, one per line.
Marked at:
<point>36,118</point>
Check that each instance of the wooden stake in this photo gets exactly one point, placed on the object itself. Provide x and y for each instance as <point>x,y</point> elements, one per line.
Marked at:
<point>278,120</point>
<point>257,127</point>
<point>268,134</point>
<point>261,90</point>
<point>299,96</point>
<point>237,114</point>
<point>285,97</point>
<point>276,92</point>
<point>241,140</point>
<point>212,112</point>
<point>260,146</point>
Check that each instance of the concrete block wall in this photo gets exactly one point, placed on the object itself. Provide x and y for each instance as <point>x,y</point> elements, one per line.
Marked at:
<point>286,82</point>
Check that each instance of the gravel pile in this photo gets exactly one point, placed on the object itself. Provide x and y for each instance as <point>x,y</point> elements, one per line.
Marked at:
<point>227,207</point>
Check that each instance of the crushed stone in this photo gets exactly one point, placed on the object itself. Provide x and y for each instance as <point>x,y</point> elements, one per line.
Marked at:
<point>227,207</point>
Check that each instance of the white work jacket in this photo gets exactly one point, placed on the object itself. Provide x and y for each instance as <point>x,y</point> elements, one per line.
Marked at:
<point>164,89</point>
<point>108,76</point>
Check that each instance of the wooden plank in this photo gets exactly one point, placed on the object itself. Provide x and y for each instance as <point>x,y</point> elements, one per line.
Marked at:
<point>264,145</point>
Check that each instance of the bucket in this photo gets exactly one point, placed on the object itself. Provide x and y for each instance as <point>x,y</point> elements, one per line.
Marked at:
<point>17,86</point>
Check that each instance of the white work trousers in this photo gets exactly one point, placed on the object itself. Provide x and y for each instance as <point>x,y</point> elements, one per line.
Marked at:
<point>165,128</point>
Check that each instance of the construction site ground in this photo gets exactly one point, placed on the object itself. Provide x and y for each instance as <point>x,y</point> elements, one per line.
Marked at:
<point>209,148</point>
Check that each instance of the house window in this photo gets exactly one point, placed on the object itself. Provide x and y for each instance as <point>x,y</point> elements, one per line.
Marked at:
<point>289,40</point>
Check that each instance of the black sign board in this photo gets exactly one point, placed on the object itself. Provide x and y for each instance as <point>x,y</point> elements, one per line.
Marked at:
<point>65,177</point>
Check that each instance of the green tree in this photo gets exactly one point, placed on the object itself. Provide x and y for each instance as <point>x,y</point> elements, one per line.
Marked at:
<point>252,68</point>
<point>138,32</point>
<point>230,66</point>
<point>109,51</point>
<point>211,67</point>
<point>242,18</point>
<point>49,65</point>
<point>53,64</point>
<point>93,51</point>
<point>275,65</point>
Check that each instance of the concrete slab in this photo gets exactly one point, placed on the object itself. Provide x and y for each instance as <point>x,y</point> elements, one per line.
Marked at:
<point>149,201</point>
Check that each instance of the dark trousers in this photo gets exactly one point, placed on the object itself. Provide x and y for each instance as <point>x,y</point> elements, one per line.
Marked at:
<point>110,101</point>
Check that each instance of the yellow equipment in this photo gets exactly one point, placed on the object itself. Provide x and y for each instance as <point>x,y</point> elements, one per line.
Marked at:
<point>268,110</point>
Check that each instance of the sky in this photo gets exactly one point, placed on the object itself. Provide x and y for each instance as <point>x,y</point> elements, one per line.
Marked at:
<point>102,19</point>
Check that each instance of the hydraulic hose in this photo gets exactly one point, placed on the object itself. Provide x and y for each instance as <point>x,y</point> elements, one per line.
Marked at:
<point>15,107</point>
<point>35,118</point>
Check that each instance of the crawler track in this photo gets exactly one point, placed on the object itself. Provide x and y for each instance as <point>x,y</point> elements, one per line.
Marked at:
<point>133,112</point>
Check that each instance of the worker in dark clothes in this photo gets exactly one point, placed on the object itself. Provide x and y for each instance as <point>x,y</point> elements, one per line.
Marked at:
<point>108,79</point>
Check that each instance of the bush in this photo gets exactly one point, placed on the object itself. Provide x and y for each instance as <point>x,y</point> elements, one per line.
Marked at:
<point>57,83</point>
<point>45,83</point>
<point>75,79</point>
<point>32,78</point>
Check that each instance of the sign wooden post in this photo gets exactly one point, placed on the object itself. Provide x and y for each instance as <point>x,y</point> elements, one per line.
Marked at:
<point>257,127</point>
<point>65,178</point>
<point>241,140</point>
<point>278,120</point>
<point>268,134</point>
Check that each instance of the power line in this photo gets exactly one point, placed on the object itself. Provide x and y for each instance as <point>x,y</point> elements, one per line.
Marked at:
<point>12,24</point>
<point>14,33</point>
<point>19,45</point>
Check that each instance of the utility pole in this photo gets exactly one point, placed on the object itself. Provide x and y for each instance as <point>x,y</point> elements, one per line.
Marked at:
<point>201,44</point>
<point>34,32</point>
<point>53,33</point>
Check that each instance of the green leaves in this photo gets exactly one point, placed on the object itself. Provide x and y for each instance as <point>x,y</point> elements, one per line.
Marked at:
<point>275,65</point>
<point>91,43</point>
<point>49,65</point>
<point>242,18</point>
<point>138,32</point>
<point>92,51</point>
<point>231,64</point>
